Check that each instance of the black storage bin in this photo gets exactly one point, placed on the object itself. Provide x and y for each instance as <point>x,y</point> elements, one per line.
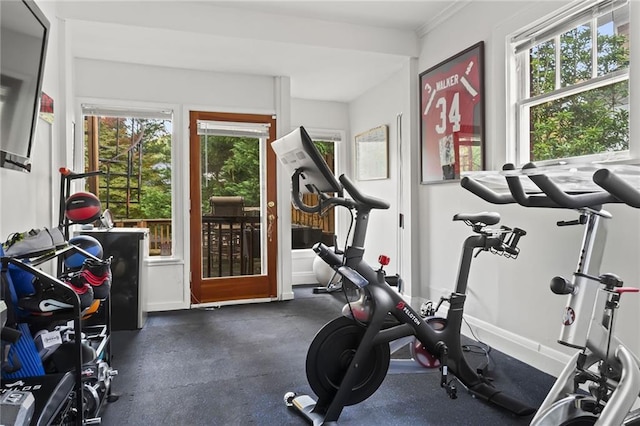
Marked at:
<point>128,247</point>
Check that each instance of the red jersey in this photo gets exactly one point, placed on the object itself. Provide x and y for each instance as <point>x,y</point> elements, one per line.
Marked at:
<point>449,99</point>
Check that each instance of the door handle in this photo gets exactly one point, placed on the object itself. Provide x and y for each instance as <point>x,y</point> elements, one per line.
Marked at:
<point>270,220</point>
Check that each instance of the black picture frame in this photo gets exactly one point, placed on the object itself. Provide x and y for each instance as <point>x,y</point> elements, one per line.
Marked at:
<point>452,115</point>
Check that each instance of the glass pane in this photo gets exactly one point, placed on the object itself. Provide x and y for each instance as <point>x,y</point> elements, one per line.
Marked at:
<point>470,152</point>
<point>135,156</point>
<point>575,55</point>
<point>591,122</point>
<point>542,59</point>
<point>307,229</point>
<point>613,44</point>
<point>231,199</point>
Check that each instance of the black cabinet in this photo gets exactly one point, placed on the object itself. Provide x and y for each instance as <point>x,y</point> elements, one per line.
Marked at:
<point>128,248</point>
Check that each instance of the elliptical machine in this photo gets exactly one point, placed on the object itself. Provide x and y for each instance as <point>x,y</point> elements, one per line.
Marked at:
<point>349,357</point>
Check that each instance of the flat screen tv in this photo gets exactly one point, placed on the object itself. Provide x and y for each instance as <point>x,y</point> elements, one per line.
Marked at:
<point>24,33</point>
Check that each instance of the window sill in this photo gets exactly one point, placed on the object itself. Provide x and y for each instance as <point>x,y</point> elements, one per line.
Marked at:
<point>623,157</point>
<point>162,260</point>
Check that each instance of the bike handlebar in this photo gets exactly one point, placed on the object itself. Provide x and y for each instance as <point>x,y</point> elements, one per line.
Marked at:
<point>564,199</point>
<point>553,196</point>
<point>485,193</point>
<point>521,196</point>
<point>517,192</point>
<point>618,187</point>
<point>360,198</point>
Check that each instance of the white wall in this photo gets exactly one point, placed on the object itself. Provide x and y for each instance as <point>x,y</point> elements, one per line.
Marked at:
<point>30,200</point>
<point>321,115</point>
<point>392,104</point>
<point>104,82</point>
<point>509,302</point>
<point>129,85</point>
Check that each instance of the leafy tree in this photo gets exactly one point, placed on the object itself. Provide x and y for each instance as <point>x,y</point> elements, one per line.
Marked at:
<point>230,166</point>
<point>589,122</point>
<point>242,170</point>
<point>135,156</point>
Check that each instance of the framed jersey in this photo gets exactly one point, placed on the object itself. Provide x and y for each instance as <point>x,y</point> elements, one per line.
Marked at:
<point>452,116</point>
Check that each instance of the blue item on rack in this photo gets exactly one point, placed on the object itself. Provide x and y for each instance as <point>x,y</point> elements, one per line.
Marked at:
<point>22,280</point>
<point>73,260</point>
<point>23,358</point>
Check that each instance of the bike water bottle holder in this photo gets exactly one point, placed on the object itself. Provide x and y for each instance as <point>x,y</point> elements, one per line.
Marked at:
<point>509,242</point>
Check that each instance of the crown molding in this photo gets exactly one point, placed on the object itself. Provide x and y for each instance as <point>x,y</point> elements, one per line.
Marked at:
<point>441,17</point>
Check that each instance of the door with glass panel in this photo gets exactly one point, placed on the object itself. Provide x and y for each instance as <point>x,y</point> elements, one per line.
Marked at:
<point>233,207</point>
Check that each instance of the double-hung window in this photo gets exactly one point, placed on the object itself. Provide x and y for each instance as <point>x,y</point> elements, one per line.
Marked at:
<point>132,148</point>
<point>570,83</point>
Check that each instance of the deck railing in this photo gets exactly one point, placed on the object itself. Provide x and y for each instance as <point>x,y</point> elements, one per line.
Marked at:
<point>160,232</point>
<point>230,244</point>
<point>313,220</point>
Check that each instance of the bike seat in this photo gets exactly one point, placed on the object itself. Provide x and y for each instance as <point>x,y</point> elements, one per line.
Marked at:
<point>486,218</point>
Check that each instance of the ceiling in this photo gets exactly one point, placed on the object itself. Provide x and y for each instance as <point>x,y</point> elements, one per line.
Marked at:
<point>331,50</point>
<point>402,15</point>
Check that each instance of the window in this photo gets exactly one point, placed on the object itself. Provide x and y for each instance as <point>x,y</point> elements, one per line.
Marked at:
<point>132,149</point>
<point>571,81</point>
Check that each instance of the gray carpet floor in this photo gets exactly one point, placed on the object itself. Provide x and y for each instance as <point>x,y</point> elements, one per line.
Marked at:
<point>232,366</point>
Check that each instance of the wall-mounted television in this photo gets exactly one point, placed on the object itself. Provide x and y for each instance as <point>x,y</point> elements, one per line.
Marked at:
<point>24,33</point>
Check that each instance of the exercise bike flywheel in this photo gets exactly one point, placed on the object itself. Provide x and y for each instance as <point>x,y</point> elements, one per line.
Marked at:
<point>330,355</point>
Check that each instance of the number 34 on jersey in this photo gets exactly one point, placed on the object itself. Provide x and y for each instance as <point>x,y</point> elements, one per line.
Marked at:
<point>449,98</point>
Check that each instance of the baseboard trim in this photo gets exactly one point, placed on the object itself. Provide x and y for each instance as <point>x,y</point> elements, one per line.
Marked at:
<point>287,296</point>
<point>167,306</point>
<point>544,358</point>
<point>547,359</point>
<point>301,278</point>
<point>231,302</point>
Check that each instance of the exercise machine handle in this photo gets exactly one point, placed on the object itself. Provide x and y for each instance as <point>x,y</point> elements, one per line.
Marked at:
<point>618,187</point>
<point>485,192</point>
<point>324,202</point>
<point>521,196</point>
<point>517,192</point>
<point>593,200</point>
<point>360,198</point>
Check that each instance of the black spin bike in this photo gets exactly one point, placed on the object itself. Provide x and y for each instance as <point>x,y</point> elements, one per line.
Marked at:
<point>349,357</point>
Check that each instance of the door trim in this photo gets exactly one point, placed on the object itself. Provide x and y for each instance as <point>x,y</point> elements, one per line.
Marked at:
<point>237,287</point>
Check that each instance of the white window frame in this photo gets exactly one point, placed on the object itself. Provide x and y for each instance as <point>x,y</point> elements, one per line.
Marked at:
<point>519,102</point>
<point>109,107</point>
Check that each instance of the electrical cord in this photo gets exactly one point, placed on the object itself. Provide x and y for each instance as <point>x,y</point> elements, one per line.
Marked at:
<point>480,349</point>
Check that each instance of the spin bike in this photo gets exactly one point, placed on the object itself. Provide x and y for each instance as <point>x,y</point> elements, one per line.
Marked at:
<point>349,357</point>
<point>601,382</point>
